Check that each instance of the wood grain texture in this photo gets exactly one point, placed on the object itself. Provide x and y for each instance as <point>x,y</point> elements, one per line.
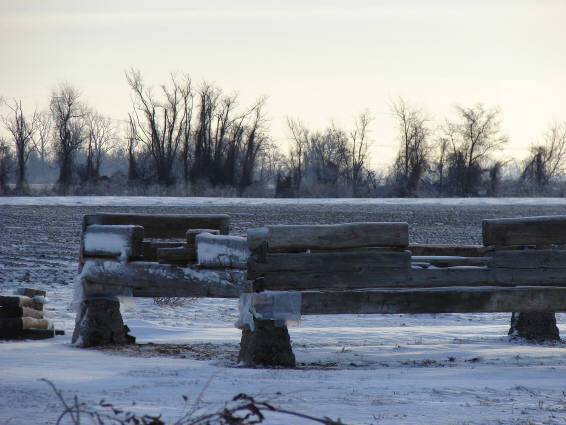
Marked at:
<point>289,238</point>
<point>328,262</point>
<point>163,226</point>
<point>154,277</point>
<point>487,300</point>
<point>542,230</point>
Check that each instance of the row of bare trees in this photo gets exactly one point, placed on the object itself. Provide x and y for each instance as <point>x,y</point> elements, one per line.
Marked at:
<point>191,134</point>
<point>213,137</point>
<point>332,159</point>
<point>457,158</point>
<point>62,130</point>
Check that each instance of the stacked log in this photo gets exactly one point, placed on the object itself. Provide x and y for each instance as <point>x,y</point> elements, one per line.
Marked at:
<point>22,316</point>
<point>532,247</point>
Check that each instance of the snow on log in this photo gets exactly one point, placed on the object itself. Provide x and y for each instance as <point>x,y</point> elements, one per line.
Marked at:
<point>215,251</point>
<point>544,230</point>
<point>164,225</point>
<point>100,277</point>
<point>284,238</point>
<point>123,241</point>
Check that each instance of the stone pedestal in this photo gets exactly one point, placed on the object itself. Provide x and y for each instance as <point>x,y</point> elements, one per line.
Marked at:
<point>99,323</point>
<point>534,327</point>
<point>267,345</point>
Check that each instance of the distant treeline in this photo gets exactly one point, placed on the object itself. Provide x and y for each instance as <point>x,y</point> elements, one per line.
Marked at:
<point>192,140</point>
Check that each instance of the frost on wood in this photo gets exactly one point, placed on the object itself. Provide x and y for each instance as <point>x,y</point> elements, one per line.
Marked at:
<point>154,279</point>
<point>222,251</point>
<point>122,241</point>
<point>281,307</point>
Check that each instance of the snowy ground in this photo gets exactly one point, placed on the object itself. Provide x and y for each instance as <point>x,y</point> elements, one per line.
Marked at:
<point>365,369</point>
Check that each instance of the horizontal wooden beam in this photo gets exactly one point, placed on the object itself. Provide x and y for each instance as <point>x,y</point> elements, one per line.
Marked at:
<point>329,262</point>
<point>363,277</point>
<point>179,255</point>
<point>96,275</point>
<point>449,261</point>
<point>163,225</point>
<point>289,238</point>
<point>472,300</point>
<point>545,230</point>
<point>529,259</point>
<point>447,250</point>
<point>414,278</point>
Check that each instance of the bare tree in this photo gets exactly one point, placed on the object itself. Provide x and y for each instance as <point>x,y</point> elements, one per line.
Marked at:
<point>5,166</point>
<point>204,142</point>
<point>470,141</point>
<point>132,139</point>
<point>68,113</point>
<point>22,129</point>
<point>297,155</point>
<point>99,137</point>
<point>547,159</point>
<point>256,138</point>
<point>360,144</point>
<point>42,140</point>
<point>161,124</point>
<point>413,156</point>
<point>480,132</point>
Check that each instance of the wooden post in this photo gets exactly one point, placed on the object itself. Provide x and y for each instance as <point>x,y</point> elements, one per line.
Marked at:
<point>268,344</point>
<point>100,323</point>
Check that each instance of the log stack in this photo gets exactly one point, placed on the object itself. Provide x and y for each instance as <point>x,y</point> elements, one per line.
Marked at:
<point>22,316</point>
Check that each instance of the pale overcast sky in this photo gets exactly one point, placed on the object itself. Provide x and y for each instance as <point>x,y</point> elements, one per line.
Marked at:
<point>316,60</point>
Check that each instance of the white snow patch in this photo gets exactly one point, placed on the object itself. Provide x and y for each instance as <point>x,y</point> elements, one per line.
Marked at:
<point>222,251</point>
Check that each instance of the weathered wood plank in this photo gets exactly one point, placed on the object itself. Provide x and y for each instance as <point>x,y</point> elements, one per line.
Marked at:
<point>153,277</point>
<point>149,248</point>
<point>165,225</point>
<point>529,259</point>
<point>363,277</point>
<point>112,241</point>
<point>328,262</point>
<point>450,261</point>
<point>486,300</point>
<point>192,234</point>
<point>448,250</point>
<point>178,255</point>
<point>285,238</point>
<point>542,230</point>
<point>374,277</point>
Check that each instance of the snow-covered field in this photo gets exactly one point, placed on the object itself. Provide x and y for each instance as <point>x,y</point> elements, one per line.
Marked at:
<point>365,369</point>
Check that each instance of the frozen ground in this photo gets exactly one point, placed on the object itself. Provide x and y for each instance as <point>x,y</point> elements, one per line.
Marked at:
<point>365,369</point>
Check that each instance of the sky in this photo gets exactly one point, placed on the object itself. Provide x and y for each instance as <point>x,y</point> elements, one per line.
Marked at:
<point>317,60</point>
